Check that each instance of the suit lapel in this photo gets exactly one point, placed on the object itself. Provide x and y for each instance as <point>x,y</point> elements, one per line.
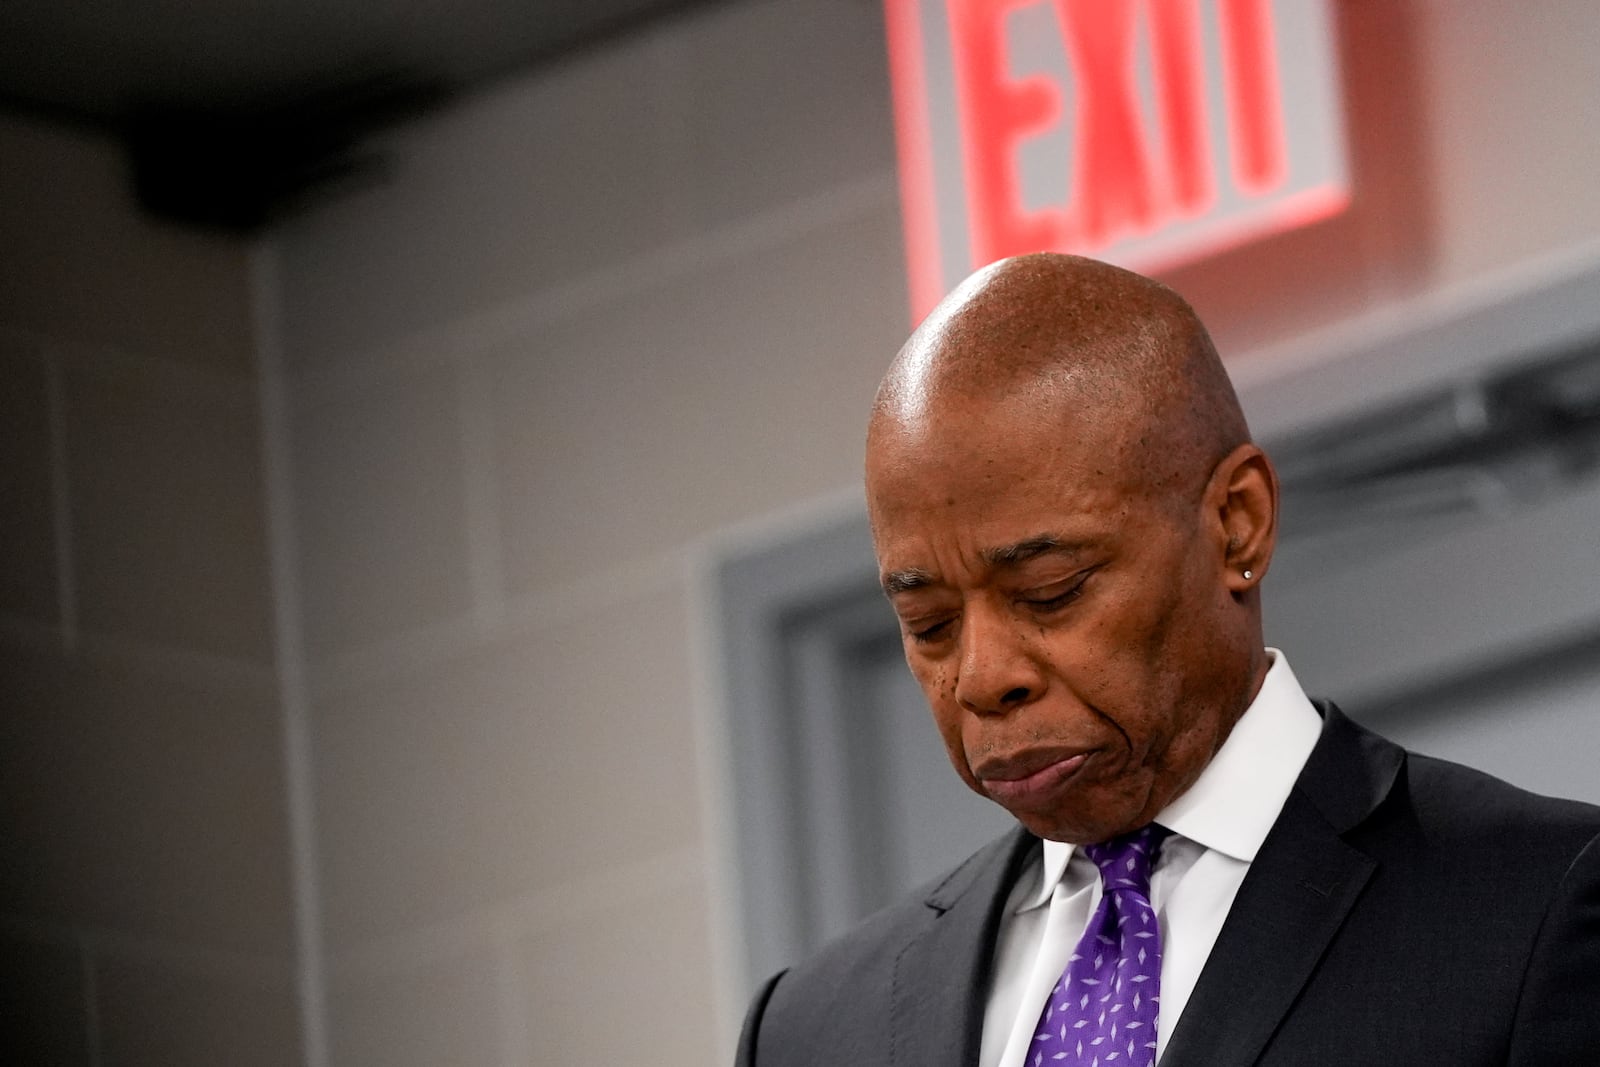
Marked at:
<point>941,978</point>
<point>1298,892</point>
<point>1295,897</point>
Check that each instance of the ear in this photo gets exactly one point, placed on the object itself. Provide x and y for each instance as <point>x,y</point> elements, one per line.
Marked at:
<point>1244,491</point>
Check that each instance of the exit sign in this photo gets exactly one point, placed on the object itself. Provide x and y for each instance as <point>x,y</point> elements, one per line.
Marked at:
<point>1144,132</point>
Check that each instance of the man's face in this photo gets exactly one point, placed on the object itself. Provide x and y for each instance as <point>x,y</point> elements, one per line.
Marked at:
<point>1073,635</point>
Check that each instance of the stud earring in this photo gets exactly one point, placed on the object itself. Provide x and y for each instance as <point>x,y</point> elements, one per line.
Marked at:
<point>1248,575</point>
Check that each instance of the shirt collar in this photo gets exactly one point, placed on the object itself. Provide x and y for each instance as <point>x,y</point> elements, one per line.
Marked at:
<point>1236,799</point>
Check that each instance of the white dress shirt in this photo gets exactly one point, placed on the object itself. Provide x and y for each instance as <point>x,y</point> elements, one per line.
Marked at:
<point>1217,827</point>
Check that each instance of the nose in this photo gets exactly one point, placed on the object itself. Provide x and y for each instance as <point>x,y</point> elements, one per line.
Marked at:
<point>998,669</point>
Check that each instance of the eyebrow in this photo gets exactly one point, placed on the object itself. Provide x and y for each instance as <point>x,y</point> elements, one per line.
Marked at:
<point>903,581</point>
<point>1033,547</point>
<point>999,558</point>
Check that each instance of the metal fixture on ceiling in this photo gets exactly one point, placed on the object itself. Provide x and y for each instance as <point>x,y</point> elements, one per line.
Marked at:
<point>235,111</point>
<point>1476,446</point>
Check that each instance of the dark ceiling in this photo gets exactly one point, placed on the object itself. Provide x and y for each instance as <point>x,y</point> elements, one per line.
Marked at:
<point>101,62</point>
<point>233,109</point>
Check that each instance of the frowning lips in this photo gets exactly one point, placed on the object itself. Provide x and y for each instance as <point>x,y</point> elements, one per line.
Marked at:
<point>1030,776</point>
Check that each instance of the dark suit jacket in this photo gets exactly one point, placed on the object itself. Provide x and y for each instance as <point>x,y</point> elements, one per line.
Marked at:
<point>1403,910</point>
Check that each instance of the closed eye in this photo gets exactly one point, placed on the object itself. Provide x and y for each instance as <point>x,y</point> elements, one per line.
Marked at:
<point>1047,601</point>
<point>930,633</point>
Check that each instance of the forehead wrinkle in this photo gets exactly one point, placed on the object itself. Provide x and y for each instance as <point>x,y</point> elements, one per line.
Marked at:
<point>1022,551</point>
<point>998,558</point>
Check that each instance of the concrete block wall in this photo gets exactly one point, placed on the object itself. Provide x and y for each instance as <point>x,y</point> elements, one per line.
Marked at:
<point>600,314</point>
<point>145,913</point>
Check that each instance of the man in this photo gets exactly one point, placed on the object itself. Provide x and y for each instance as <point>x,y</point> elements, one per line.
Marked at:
<point>1072,524</point>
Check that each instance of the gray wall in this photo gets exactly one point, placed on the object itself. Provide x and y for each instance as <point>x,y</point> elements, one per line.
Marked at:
<point>145,886</point>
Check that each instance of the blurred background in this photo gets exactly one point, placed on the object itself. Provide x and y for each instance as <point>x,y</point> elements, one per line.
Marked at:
<point>436,620</point>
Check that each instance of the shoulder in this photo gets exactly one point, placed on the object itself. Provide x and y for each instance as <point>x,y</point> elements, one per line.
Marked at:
<point>841,995</point>
<point>1446,803</point>
<point>1445,824</point>
<point>1449,846</point>
<point>868,948</point>
<point>1450,794</point>
<point>1507,834</point>
<point>1525,869</point>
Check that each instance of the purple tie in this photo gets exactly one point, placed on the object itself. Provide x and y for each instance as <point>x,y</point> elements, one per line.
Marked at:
<point>1103,1011</point>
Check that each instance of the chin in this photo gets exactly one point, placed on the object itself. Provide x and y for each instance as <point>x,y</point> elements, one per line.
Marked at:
<point>1055,830</point>
<point>1076,831</point>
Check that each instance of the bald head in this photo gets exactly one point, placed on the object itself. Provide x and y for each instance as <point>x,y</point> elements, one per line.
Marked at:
<point>1092,345</point>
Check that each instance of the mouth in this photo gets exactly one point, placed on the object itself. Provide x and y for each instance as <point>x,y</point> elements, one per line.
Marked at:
<point>1029,778</point>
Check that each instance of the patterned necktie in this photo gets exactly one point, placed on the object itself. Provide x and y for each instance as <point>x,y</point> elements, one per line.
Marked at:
<point>1103,1011</point>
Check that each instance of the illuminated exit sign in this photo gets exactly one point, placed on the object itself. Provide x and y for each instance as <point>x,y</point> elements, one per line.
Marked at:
<point>1145,132</point>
